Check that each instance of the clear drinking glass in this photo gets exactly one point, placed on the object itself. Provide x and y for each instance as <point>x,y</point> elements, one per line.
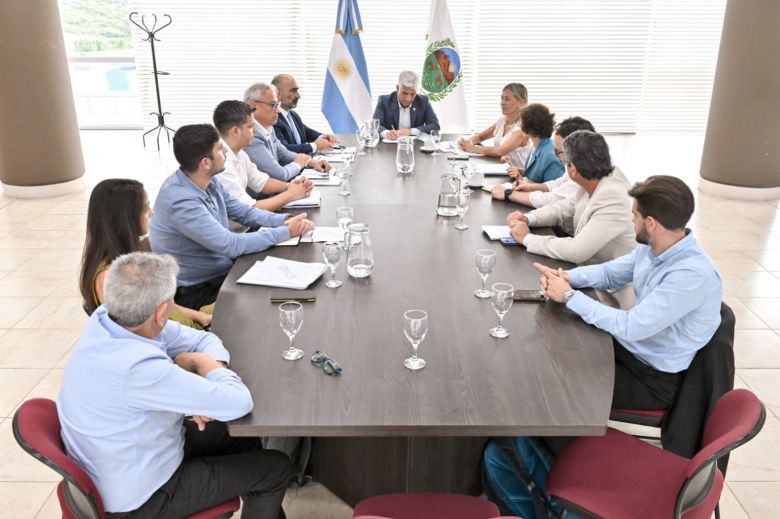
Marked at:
<point>435,139</point>
<point>344,217</point>
<point>502,298</point>
<point>462,201</point>
<point>486,261</point>
<point>361,141</point>
<point>415,328</point>
<point>331,253</point>
<point>468,171</point>
<point>291,319</point>
<point>343,172</point>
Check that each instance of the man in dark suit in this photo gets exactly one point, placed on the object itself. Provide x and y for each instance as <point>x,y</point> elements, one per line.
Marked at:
<point>289,128</point>
<point>404,112</point>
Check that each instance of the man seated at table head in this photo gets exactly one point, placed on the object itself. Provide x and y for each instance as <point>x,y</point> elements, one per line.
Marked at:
<point>192,214</point>
<point>539,194</point>
<point>289,127</point>
<point>405,112</point>
<point>266,151</point>
<point>236,127</point>
<point>598,214</point>
<point>132,378</point>
<point>678,296</point>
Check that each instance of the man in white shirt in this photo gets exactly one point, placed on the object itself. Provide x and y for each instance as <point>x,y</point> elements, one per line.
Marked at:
<point>289,127</point>
<point>236,126</point>
<point>266,151</point>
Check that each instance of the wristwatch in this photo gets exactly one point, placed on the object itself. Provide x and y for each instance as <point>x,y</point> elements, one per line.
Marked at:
<point>568,295</point>
<point>507,192</point>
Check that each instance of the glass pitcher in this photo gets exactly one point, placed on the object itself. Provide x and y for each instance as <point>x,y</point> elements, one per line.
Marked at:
<point>360,257</point>
<point>404,156</point>
<point>372,131</point>
<point>448,195</point>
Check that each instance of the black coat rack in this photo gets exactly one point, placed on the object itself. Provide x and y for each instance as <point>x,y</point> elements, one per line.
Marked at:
<point>151,36</point>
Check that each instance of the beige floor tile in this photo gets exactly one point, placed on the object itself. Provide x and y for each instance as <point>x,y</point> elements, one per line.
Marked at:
<point>32,283</point>
<point>68,207</point>
<point>64,313</point>
<point>23,500</point>
<point>729,505</point>
<point>48,387</point>
<point>759,459</point>
<point>51,507</point>
<point>58,222</point>
<point>13,258</point>
<point>29,239</point>
<point>14,309</point>
<point>314,501</point>
<point>22,348</point>
<point>750,240</point>
<point>761,500</point>
<point>4,273</point>
<point>766,308</point>
<point>769,259</point>
<point>751,284</point>
<point>68,288</point>
<point>16,464</point>
<point>764,383</point>
<point>745,319</point>
<point>67,260</point>
<point>735,261</point>
<point>752,349</point>
<point>15,384</point>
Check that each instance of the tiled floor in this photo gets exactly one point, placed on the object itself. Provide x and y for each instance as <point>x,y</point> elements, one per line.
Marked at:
<point>41,316</point>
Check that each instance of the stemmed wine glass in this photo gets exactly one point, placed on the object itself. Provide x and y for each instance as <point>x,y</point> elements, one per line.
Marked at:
<point>344,218</point>
<point>291,319</point>
<point>435,139</point>
<point>415,328</point>
<point>486,260</point>
<point>331,253</point>
<point>462,201</point>
<point>502,298</point>
<point>343,173</point>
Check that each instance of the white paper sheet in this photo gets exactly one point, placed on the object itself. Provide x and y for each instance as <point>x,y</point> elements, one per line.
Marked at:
<point>282,273</point>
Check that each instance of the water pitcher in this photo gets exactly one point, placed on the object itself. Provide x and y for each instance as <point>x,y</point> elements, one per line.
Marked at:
<point>404,156</point>
<point>372,130</point>
<point>448,195</point>
<point>360,257</point>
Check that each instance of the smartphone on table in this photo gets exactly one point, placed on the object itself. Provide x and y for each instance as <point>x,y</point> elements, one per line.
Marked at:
<point>533,296</point>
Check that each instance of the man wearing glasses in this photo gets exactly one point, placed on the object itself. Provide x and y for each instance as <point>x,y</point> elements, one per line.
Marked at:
<point>267,153</point>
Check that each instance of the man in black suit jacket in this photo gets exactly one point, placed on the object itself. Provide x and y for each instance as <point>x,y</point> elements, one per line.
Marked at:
<point>289,128</point>
<point>404,112</point>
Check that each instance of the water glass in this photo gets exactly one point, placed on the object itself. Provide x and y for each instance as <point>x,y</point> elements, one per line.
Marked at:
<point>331,253</point>
<point>462,201</point>
<point>291,319</point>
<point>344,217</point>
<point>343,172</point>
<point>486,261</point>
<point>502,297</point>
<point>468,171</point>
<point>415,328</point>
<point>361,141</point>
<point>435,140</point>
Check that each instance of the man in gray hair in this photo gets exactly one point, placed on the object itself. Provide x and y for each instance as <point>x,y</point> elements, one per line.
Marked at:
<point>404,112</point>
<point>132,378</point>
<point>266,151</point>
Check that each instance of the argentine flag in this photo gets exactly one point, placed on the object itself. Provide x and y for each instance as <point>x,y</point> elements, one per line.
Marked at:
<point>346,100</point>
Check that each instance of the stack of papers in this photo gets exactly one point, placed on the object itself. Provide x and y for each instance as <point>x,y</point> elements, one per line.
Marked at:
<point>313,200</point>
<point>312,173</point>
<point>282,273</point>
<point>330,181</point>
<point>289,243</point>
<point>323,234</point>
<point>493,169</point>
<point>496,232</point>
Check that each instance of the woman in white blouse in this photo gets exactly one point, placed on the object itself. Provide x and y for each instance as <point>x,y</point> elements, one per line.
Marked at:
<point>509,141</point>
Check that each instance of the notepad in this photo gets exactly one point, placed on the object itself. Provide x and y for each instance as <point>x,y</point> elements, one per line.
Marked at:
<point>313,200</point>
<point>289,243</point>
<point>282,273</point>
<point>312,173</point>
<point>496,232</point>
<point>323,234</point>
<point>493,169</point>
<point>330,181</point>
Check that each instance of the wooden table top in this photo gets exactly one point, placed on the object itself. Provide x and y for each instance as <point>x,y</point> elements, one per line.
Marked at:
<point>552,376</point>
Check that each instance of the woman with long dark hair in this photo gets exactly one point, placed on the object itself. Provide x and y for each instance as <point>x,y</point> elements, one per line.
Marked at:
<point>118,221</point>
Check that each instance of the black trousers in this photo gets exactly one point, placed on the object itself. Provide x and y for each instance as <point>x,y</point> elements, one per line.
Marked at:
<point>199,295</point>
<point>216,468</point>
<point>637,386</point>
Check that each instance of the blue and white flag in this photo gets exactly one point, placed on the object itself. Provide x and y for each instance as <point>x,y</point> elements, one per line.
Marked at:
<point>346,101</point>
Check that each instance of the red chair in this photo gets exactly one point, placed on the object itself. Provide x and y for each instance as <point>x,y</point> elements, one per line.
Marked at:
<point>426,506</point>
<point>614,476</point>
<point>36,427</point>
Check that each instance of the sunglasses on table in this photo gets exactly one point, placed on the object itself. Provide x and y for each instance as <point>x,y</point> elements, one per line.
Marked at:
<point>328,365</point>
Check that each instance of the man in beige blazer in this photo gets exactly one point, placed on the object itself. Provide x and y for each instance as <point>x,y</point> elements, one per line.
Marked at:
<point>599,212</point>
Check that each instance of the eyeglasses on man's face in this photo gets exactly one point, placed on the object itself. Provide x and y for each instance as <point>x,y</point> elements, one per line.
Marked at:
<point>273,104</point>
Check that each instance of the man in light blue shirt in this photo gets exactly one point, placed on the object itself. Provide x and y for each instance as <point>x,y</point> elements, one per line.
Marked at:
<point>266,151</point>
<point>678,296</point>
<point>192,214</point>
<point>130,381</point>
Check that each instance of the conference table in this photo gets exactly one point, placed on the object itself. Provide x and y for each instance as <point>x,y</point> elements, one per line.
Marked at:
<point>380,427</point>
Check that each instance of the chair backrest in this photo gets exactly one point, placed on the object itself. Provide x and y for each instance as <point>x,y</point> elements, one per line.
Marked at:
<point>738,416</point>
<point>36,427</point>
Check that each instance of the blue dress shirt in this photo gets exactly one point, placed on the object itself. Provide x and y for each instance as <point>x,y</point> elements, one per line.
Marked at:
<point>123,401</point>
<point>542,165</point>
<point>677,309</point>
<point>270,156</point>
<point>192,225</point>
